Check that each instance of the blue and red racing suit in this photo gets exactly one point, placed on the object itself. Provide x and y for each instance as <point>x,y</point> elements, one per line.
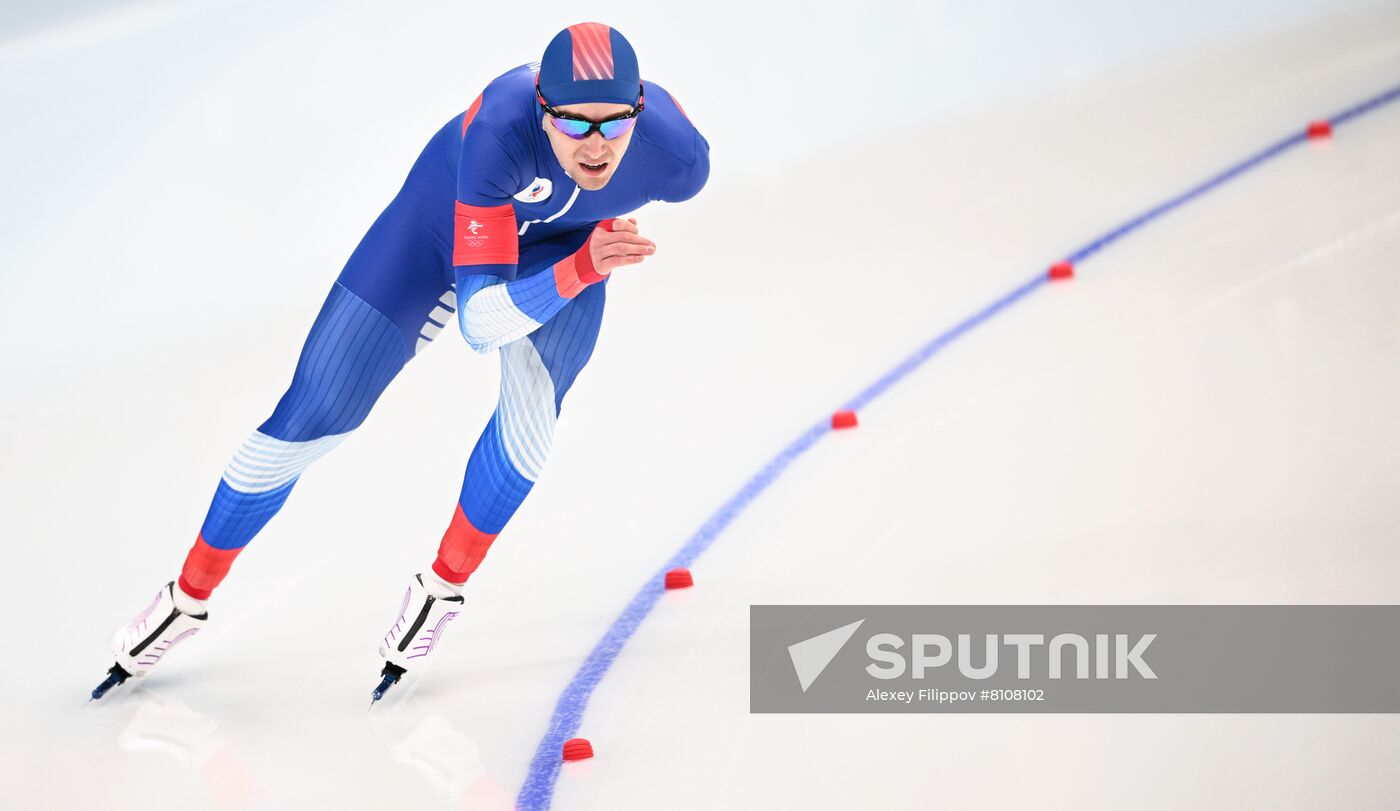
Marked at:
<point>488,230</point>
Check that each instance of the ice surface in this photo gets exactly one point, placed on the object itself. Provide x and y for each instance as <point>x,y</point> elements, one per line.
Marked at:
<point>1206,414</point>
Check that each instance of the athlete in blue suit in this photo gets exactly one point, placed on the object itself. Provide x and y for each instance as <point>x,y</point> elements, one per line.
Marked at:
<point>509,223</point>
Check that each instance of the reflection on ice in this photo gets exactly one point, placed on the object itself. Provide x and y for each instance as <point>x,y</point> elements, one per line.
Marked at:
<point>168,727</point>
<point>446,759</point>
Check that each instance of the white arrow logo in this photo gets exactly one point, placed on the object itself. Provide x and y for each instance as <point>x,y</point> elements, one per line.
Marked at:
<point>811,656</point>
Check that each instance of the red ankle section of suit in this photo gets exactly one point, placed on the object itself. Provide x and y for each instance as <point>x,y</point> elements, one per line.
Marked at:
<point>198,594</point>
<point>205,568</point>
<point>462,549</point>
<point>455,578</point>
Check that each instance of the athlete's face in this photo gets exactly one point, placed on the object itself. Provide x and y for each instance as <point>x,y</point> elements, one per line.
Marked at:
<point>591,161</point>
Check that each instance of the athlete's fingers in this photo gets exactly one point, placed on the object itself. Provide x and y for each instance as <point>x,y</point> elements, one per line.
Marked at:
<point>623,249</point>
<point>619,244</point>
<point>626,249</point>
<point>607,266</point>
<point>617,260</point>
<point>614,237</point>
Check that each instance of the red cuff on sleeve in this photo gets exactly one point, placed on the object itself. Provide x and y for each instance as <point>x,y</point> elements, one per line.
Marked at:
<point>576,271</point>
<point>584,258</point>
<point>484,235</point>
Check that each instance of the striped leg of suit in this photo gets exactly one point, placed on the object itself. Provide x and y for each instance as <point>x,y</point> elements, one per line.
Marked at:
<point>536,372</point>
<point>351,355</point>
<point>390,301</point>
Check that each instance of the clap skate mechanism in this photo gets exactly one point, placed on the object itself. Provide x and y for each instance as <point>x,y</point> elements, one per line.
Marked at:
<point>116,674</point>
<point>391,673</point>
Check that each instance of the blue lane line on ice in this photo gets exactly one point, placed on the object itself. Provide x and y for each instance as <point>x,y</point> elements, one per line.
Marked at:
<point>538,790</point>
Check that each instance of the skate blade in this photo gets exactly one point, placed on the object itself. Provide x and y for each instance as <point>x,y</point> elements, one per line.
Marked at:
<point>115,676</point>
<point>391,675</point>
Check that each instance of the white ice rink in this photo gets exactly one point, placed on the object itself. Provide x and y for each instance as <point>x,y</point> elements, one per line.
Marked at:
<point>1206,414</point>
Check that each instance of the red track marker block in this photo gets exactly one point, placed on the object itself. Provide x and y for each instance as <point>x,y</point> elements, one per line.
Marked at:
<point>1064,269</point>
<point>578,749</point>
<point>1319,129</point>
<point>843,419</point>
<point>679,579</point>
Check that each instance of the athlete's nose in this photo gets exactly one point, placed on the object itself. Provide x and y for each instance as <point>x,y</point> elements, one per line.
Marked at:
<point>595,145</point>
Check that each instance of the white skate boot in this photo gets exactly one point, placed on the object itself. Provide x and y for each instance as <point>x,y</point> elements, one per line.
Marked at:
<point>429,604</point>
<point>143,642</point>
